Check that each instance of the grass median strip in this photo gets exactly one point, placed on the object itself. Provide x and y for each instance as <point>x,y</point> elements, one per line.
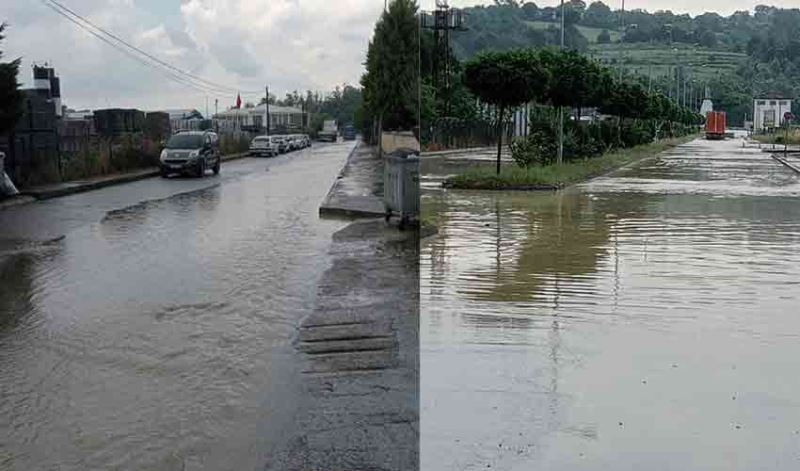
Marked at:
<point>553,177</point>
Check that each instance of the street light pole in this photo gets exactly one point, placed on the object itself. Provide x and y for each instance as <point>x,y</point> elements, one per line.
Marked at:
<point>266,110</point>
<point>561,108</point>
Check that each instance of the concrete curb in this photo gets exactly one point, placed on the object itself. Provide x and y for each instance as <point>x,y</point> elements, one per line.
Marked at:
<point>341,209</point>
<point>70,188</point>
<point>457,151</point>
<point>15,201</point>
<point>786,163</point>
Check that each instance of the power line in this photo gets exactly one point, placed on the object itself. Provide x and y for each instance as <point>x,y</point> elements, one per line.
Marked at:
<point>144,53</point>
<point>205,84</point>
<point>175,78</point>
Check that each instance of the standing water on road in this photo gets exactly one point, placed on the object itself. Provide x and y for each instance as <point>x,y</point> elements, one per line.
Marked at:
<point>644,320</point>
<point>148,325</point>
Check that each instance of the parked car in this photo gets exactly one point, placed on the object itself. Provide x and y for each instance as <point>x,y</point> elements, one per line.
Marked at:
<point>291,143</point>
<point>306,140</point>
<point>301,141</point>
<point>283,144</point>
<point>264,145</point>
<point>349,133</point>
<point>191,152</point>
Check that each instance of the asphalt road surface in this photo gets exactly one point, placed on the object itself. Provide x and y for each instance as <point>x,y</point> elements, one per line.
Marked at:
<point>149,325</point>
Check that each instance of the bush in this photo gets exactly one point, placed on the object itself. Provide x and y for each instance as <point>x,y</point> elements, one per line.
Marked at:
<point>636,133</point>
<point>538,148</point>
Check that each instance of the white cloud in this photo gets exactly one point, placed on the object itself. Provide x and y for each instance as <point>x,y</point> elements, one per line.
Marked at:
<point>244,44</point>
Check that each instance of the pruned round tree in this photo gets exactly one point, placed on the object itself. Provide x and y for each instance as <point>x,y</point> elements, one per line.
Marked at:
<point>505,80</point>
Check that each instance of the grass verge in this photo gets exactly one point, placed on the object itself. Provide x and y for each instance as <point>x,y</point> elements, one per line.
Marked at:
<point>553,177</point>
<point>779,137</point>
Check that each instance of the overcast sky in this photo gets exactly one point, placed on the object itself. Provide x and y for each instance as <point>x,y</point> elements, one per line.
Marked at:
<point>243,44</point>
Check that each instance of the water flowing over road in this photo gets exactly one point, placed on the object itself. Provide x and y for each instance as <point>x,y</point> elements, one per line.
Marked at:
<point>644,320</point>
<point>149,325</point>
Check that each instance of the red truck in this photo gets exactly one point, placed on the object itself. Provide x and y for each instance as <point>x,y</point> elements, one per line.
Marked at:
<point>715,125</point>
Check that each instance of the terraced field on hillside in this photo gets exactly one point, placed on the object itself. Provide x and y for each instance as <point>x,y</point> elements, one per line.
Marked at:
<point>659,60</point>
<point>588,32</point>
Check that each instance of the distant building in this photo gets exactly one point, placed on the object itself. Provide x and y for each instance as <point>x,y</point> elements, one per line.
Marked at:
<point>768,113</point>
<point>706,107</point>
<point>185,119</point>
<point>281,119</point>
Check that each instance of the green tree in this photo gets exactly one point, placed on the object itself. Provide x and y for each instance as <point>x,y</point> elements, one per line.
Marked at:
<point>599,15</point>
<point>10,96</point>
<point>391,81</point>
<point>604,37</point>
<point>506,80</point>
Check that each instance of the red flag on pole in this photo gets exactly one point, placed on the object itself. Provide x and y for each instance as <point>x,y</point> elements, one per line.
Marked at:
<point>238,101</point>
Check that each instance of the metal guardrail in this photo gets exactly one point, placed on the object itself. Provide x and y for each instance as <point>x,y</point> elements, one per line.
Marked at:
<point>401,186</point>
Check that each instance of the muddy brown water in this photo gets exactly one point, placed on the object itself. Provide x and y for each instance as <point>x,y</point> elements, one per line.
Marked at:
<point>645,320</point>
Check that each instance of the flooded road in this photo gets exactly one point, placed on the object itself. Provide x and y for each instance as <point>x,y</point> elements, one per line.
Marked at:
<point>646,320</point>
<point>148,325</point>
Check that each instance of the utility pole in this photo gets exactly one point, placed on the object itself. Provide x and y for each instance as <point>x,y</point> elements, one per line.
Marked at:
<point>266,110</point>
<point>561,108</point>
<point>622,35</point>
<point>443,21</point>
<point>216,111</point>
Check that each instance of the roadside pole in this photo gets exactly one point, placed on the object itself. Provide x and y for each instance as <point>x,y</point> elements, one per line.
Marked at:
<point>266,109</point>
<point>560,108</point>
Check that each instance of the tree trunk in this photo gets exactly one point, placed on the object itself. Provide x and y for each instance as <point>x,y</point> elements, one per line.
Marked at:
<point>380,135</point>
<point>500,126</point>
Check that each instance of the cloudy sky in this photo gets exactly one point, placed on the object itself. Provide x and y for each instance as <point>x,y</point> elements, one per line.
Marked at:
<point>238,44</point>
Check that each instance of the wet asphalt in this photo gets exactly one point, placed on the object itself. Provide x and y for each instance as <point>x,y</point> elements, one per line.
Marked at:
<point>149,325</point>
<point>644,320</point>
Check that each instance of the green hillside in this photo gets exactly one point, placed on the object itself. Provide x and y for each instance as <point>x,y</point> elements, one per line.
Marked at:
<point>589,32</point>
<point>746,54</point>
<point>699,63</point>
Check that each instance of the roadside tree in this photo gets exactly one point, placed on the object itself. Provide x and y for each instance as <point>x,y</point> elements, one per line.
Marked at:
<point>390,85</point>
<point>10,96</point>
<point>506,80</point>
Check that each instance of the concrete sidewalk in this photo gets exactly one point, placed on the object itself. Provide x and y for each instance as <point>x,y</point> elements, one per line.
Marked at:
<point>358,191</point>
<point>56,190</point>
<point>358,381</point>
<point>357,376</point>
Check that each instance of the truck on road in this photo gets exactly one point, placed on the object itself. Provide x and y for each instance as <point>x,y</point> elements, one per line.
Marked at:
<point>715,125</point>
<point>330,131</point>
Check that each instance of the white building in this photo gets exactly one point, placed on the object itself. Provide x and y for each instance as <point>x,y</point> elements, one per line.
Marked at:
<point>768,113</point>
<point>252,119</point>
<point>706,107</point>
